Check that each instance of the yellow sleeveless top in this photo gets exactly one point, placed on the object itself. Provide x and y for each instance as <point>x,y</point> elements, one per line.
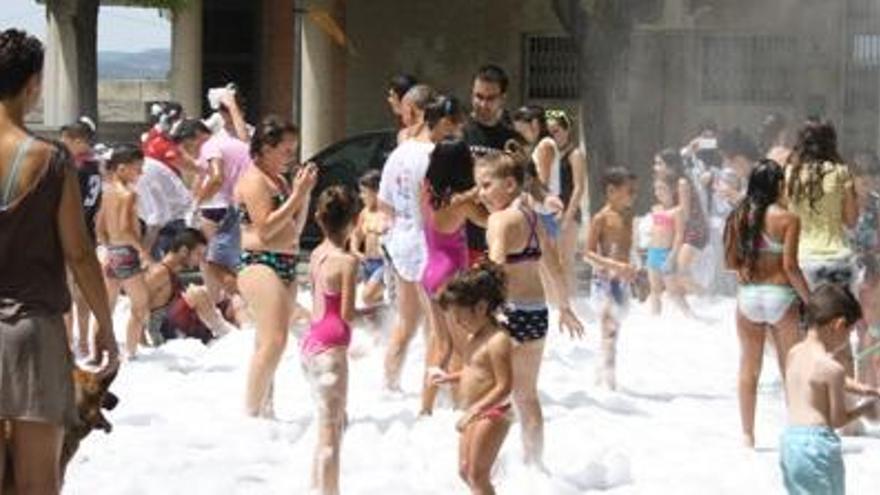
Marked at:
<point>822,230</point>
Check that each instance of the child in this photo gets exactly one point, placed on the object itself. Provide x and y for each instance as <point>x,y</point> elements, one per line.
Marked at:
<point>609,243</point>
<point>472,299</point>
<point>811,457</point>
<point>866,242</point>
<point>118,230</point>
<point>77,138</point>
<point>519,242</point>
<point>667,227</point>
<point>333,273</point>
<point>366,240</point>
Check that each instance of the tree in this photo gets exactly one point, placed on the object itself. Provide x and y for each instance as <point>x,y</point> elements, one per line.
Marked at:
<point>601,31</point>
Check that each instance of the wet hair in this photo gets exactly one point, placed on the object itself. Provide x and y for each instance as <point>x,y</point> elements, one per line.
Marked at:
<point>530,113</point>
<point>122,154</point>
<point>493,74</point>
<point>503,164</point>
<point>675,163</point>
<point>735,142</point>
<point>370,180</point>
<point>21,56</point>
<point>441,107</point>
<point>336,210</point>
<point>188,238</point>
<point>271,132</point>
<point>560,117</point>
<point>187,129</point>
<point>420,96</point>
<point>865,163</point>
<point>745,225</point>
<point>617,177</point>
<point>450,171</point>
<point>816,145</point>
<point>401,83</point>
<point>484,282</point>
<point>831,301</point>
<point>83,128</point>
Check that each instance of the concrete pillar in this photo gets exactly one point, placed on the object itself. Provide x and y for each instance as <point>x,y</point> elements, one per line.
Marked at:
<point>186,57</point>
<point>277,59</point>
<point>60,81</point>
<point>323,80</point>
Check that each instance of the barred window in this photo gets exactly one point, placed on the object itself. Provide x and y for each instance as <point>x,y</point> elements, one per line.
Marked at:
<point>748,69</point>
<point>551,68</point>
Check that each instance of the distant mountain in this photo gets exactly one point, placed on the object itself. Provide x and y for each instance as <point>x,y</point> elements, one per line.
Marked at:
<point>149,64</point>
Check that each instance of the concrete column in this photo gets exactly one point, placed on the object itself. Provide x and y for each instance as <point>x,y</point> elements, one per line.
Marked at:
<point>186,57</point>
<point>323,80</point>
<point>277,59</point>
<point>60,81</point>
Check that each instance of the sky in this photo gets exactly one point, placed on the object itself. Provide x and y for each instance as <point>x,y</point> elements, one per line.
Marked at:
<point>121,29</point>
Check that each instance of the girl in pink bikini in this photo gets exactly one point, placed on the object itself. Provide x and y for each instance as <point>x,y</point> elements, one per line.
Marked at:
<point>449,200</point>
<point>472,299</point>
<point>333,273</point>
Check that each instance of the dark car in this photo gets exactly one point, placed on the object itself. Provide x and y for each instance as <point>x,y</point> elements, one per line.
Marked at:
<point>344,162</point>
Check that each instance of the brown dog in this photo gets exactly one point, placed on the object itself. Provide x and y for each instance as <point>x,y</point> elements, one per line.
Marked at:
<point>92,395</point>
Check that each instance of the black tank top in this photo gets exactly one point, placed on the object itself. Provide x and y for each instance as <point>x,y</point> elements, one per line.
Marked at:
<point>34,280</point>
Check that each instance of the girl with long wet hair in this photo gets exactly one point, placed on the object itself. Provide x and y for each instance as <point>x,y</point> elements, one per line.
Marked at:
<point>449,201</point>
<point>761,244</point>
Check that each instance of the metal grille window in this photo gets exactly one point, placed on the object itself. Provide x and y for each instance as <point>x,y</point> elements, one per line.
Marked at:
<point>747,69</point>
<point>551,64</point>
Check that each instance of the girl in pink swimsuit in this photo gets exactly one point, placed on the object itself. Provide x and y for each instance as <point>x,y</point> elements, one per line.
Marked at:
<point>449,200</point>
<point>333,273</point>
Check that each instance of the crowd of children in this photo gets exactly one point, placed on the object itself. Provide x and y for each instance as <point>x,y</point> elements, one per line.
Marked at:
<point>475,222</point>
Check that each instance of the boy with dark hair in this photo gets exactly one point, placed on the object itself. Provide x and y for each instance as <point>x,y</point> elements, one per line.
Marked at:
<point>366,240</point>
<point>815,382</point>
<point>175,310</point>
<point>609,245</point>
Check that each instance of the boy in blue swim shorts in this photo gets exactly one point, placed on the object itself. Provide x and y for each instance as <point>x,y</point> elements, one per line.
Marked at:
<point>810,450</point>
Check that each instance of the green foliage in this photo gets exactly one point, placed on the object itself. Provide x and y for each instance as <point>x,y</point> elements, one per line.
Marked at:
<point>172,5</point>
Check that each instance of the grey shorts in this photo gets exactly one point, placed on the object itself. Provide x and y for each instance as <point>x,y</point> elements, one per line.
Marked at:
<point>225,247</point>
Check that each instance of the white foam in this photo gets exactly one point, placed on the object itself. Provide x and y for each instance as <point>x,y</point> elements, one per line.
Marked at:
<point>673,426</point>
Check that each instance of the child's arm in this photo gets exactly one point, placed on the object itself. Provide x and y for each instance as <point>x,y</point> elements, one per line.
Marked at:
<point>349,283</point>
<point>791,240</point>
<point>684,198</point>
<point>550,261</point>
<point>679,218</point>
<point>496,238</point>
<point>578,160</point>
<point>544,160</point>
<point>131,227</point>
<point>357,236</point>
<point>839,416</point>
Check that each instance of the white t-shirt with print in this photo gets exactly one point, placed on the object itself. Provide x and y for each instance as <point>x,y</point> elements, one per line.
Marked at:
<point>400,188</point>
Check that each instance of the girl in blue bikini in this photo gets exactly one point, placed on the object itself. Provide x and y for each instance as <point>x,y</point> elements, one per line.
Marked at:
<point>761,244</point>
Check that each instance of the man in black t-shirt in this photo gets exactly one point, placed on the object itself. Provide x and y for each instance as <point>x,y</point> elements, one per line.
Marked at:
<point>487,127</point>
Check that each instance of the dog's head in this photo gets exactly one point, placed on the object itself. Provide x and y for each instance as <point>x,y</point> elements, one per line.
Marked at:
<point>92,395</point>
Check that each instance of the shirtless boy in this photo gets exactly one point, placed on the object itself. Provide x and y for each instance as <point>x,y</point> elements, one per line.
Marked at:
<point>472,299</point>
<point>609,243</point>
<point>367,239</point>
<point>178,311</point>
<point>811,457</point>
<point>118,230</point>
